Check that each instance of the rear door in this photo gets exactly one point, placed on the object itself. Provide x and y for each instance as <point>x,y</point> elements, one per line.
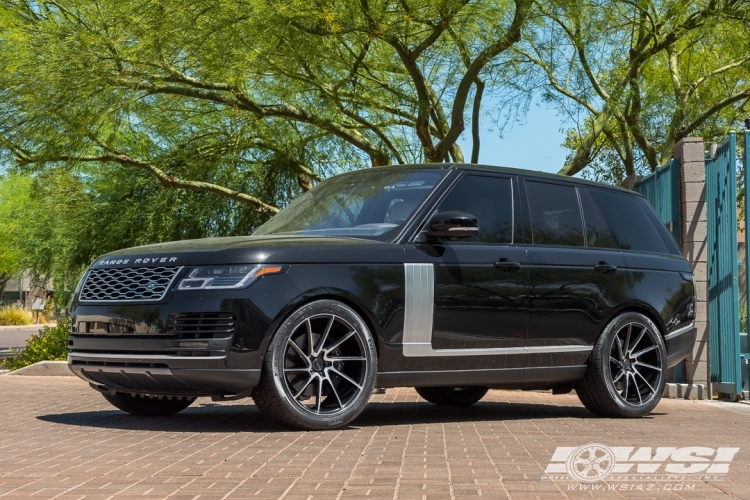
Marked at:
<point>575,277</point>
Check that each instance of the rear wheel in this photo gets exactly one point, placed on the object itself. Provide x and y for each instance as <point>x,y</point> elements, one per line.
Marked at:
<point>320,368</point>
<point>452,396</point>
<point>626,375</point>
<point>156,406</point>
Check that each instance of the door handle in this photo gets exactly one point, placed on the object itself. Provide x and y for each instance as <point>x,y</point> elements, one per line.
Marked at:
<point>605,268</point>
<point>507,265</point>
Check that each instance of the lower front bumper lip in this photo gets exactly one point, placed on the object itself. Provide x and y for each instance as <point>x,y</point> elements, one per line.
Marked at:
<point>165,380</point>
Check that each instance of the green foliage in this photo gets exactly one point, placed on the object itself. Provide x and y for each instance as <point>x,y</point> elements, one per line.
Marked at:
<point>743,318</point>
<point>10,315</point>
<point>50,344</point>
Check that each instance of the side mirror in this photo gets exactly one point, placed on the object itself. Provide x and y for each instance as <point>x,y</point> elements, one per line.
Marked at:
<point>450,225</point>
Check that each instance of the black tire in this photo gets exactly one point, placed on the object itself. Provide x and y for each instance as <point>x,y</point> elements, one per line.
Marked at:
<point>146,406</point>
<point>319,369</point>
<point>452,396</point>
<point>627,371</point>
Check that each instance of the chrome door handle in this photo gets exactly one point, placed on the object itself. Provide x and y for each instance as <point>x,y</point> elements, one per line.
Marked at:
<point>507,265</point>
<point>605,268</point>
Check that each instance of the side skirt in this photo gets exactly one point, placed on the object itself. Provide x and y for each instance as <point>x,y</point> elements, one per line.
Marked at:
<point>505,378</point>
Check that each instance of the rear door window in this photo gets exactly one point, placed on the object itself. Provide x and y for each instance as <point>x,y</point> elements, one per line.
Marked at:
<point>490,200</point>
<point>555,214</point>
<point>631,227</point>
<point>598,234</point>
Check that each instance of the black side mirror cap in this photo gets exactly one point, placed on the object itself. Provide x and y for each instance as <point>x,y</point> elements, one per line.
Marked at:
<point>452,225</point>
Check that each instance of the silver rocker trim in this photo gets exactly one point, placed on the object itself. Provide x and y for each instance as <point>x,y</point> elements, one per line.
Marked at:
<point>419,308</point>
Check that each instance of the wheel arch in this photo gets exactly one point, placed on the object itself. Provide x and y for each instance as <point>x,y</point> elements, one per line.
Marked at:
<point>644,309</point>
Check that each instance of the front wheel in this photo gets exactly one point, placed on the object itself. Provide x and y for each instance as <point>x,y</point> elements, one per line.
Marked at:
<point>147,406</point>
<point>626,375</point>
<point>452,396</point>
<point>319,369</point>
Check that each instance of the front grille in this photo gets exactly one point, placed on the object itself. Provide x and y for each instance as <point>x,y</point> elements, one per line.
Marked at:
<point>142,284</point>
<point>201,325</point>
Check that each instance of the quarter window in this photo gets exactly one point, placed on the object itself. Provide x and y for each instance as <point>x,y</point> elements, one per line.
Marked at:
<point>629,223</point>
<point>555,214</point>
<point>490,200</point>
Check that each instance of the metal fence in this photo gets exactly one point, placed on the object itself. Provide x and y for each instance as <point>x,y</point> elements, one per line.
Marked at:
<point>662,189</point>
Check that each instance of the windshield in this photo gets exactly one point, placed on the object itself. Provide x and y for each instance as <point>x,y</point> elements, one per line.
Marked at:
<point>366,203</point>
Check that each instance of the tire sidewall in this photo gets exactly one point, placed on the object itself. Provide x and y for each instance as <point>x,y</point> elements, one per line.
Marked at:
<point>603,349</point>
<point>275,364</point>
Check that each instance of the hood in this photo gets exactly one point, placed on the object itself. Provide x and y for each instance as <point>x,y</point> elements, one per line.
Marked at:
<point>254,249</point>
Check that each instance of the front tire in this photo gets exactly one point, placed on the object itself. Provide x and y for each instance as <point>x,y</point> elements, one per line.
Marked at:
<point>146,406</point>
<point>452,396</point>
<point>628,367</point>
<point>319,369</point>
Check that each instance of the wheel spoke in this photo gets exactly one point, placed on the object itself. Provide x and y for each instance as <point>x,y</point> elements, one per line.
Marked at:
<point>322,341</point>
<point>637,389</point>
<point>319,397</point>
<point>644,351</point>
<point>624,393</point>
<point>640,336</point>
<point>297,370</point>
<point>341,341</point>
<point>345,358</point>
<point>646,365</point>
<point>309,337</point>
<point>345,377</point>
<point>613,360</point>
<point>335,392</point>
<point>618,377</point>
<point>644,380</point>
<point>299,393</point>
<point>626,347</point>
<point>299,351</point>
<point>619,346</point>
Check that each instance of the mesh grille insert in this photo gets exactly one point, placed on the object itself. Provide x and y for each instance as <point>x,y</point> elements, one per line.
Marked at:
<point>128,284</point>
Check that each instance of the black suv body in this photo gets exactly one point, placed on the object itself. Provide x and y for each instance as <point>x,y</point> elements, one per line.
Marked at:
<point>451,279</point>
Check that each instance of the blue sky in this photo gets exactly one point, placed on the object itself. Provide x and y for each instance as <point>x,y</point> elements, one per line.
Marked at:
<point>533,144</point>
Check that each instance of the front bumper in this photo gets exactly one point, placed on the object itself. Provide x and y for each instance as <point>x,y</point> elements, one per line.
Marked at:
<point>680,343</point>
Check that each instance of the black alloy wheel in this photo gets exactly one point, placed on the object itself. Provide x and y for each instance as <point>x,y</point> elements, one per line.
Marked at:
<point>452,396</point>
<point>628,368</point>
<point>148,405</point>
<point>320,368</point>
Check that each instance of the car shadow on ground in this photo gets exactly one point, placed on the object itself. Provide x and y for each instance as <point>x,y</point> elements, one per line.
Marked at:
<point>213,417</point>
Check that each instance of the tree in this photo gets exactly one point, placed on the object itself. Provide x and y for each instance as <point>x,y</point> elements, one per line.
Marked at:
<point>204,96</point>
<point>637,76</point>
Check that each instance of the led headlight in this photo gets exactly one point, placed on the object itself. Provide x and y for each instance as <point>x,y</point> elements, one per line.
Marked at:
<point>226,277</point>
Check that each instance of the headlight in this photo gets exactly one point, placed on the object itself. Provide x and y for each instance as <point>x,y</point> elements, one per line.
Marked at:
<point>226,277</point>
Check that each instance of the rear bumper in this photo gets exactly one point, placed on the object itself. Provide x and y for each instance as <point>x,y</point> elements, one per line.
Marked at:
<point>680,344</point>
<point>158,378</point>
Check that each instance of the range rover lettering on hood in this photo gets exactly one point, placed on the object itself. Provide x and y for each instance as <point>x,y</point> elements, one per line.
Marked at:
<point>144,260</point>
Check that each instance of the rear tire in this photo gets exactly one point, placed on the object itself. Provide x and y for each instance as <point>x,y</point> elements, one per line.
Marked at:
<point>628,368</point>
<point>452,396</point>
<point>147,406</point>
<point>319,369</point>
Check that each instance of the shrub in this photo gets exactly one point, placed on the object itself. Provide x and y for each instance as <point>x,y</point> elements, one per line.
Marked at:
<point>50,344</point>
<point>743,318</point>
<point>10,315</point>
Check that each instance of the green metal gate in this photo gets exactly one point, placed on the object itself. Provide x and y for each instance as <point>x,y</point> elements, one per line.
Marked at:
<point>662,190</point>
<point>723,272</point>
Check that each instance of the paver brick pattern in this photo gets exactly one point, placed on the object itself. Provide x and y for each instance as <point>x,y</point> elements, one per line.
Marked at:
<point>60,439</point>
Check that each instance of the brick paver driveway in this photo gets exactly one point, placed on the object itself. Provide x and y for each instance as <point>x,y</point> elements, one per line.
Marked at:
<point>60,439</point>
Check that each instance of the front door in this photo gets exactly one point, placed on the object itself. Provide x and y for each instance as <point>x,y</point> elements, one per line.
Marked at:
<point>471,310</point>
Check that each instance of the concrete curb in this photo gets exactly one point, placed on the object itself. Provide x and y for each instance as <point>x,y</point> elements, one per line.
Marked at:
<point>685,391</point>
<point>45,369</point>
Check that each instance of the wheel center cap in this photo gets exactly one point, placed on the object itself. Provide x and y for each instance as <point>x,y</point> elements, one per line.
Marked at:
<point>626,364</point>
<point>318,364</point>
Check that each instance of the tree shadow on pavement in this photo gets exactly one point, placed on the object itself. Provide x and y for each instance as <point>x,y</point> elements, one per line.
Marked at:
<point>212,417</point>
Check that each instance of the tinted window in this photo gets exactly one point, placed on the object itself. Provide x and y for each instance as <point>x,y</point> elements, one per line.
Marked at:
<point>630,225</point>
<point>597,232</point>
<point>555,215</point>
<point>490,200</point>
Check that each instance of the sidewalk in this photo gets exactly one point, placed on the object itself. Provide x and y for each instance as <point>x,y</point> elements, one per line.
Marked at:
<point>15,336</point>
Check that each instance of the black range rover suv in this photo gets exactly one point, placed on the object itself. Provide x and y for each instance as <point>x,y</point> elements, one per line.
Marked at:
<point>451,279</point>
